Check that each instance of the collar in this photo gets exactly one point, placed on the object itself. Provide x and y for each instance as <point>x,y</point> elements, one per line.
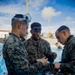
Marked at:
<point>14,35</point>
<point>69,38</point>
<point>35,42</point>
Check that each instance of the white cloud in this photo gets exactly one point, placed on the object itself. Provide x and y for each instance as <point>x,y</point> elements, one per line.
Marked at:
<point>35,11</point>
<point>47,29</point>
<point>12,9</point>
<point>37,3</point>
<point>5,22</point>
<point>49,12</point>
<point>70,22</point>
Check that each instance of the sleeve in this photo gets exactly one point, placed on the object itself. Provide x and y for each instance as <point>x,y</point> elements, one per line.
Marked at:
<point>48,53</point>
<point>20,62</point>
<point>48,48</point>
<point>70,66</point>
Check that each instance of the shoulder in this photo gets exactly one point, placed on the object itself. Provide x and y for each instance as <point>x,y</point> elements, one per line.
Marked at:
<point>44,41</point>
<point>72,40</point>
<point>11,40</point>
<point>71,43</point>
<point>27,41</point>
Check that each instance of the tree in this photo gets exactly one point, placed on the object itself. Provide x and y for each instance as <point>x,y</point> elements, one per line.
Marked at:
<point>50,35</point>
<point>42,35</point>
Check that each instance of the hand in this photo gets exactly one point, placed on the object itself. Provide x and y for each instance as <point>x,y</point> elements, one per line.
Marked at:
<point>57,65</point>
<point>54,55</point>
<point>43,60</point>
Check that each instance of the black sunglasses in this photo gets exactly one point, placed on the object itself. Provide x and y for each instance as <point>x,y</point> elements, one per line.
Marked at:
<point>36,29</point>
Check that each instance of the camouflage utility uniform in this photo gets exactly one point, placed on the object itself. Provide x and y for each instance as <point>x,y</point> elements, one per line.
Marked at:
<point>38,49</point>
<point>16,57</point>
<point>68,57</point>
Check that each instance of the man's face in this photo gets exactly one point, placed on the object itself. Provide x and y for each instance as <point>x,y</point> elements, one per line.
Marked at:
<point>36,31</point>
<point>24,29</point>
<point>61,37</point>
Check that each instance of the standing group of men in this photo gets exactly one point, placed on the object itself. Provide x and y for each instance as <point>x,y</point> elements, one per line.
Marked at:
<point>30,57</point>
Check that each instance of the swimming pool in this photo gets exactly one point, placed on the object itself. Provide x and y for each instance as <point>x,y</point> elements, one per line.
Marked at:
<point>3,69</point>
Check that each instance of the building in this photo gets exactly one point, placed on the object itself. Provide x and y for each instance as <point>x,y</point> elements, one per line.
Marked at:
<point>4,33</point>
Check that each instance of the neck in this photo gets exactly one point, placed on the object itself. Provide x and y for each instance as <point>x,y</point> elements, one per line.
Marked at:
<point>16,33</point>
<point>36,40</point>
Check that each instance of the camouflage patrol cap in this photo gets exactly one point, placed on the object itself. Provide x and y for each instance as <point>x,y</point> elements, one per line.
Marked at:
<point>35,24</point>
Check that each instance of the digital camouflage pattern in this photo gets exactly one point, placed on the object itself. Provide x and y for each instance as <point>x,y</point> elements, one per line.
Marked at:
<point>38,49</point>
<point>16,57</point>
<point>68,57</point>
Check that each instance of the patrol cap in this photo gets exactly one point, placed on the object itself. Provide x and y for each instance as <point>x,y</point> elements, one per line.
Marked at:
<point>36,26</point>
<point>63,27</point>
<point>21,17</point>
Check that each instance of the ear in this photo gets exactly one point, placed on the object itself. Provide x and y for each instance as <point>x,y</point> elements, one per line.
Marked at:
<point>19,25</point>
<point>31,31</point>
<point>64,32</point>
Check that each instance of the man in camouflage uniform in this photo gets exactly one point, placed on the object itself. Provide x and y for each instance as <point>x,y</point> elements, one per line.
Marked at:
<point>14,52</point>
<point>38,47</point>
<point>67,64</point>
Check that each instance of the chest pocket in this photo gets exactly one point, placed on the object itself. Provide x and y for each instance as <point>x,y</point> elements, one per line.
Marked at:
<point>65,56</point>
<point>21,50</point>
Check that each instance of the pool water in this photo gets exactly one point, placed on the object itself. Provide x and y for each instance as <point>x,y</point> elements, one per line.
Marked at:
<point>3,70</point>
<point>58,51</point>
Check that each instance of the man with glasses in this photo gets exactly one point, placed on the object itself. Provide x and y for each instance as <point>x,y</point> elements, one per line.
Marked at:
<point>14,52</point>
<point>38,47</point>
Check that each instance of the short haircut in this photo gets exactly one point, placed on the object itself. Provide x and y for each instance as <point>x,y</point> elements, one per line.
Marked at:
<point>35,24</point>
<point>63,27</point>
<point>18,17</point>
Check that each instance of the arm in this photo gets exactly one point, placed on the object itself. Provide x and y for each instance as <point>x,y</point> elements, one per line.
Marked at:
<point>18,58</point>
<point>49,54</point>
<point>70,66</point>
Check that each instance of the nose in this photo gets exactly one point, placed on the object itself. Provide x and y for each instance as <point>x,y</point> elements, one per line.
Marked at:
<point>37,32</point>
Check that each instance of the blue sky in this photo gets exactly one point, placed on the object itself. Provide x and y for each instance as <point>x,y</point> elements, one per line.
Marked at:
<point>50,13</point>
